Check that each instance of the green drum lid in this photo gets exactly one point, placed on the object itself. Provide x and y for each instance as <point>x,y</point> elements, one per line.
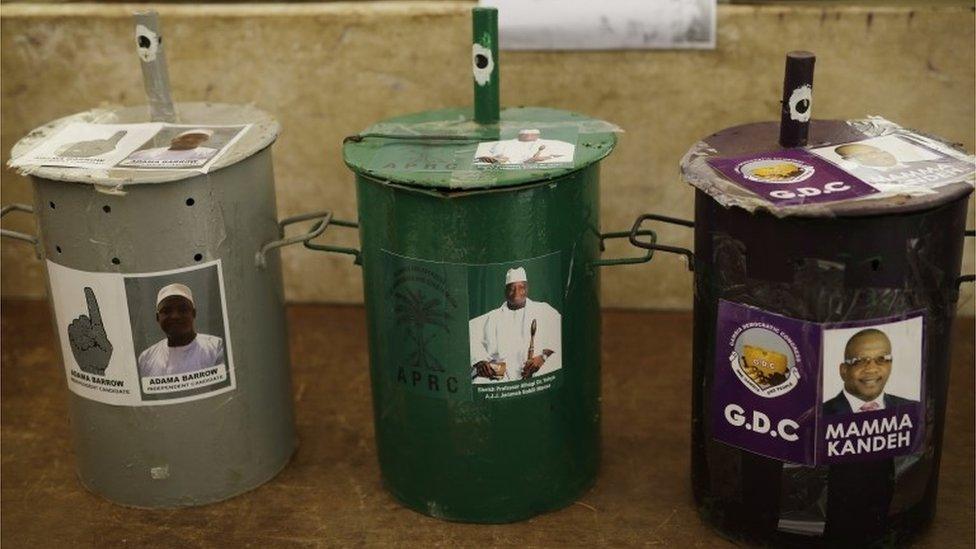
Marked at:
<point>447,150</point>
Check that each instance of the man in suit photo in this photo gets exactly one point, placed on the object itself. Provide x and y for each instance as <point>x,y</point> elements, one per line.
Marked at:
<point>865,370</point>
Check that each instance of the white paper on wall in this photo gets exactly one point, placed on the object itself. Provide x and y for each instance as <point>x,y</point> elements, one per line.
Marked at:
<point>618,24</point>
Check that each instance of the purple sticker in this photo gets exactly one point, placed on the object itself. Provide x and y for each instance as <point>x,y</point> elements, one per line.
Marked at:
<point>791,177</point>
<point>811,393</point>
<point>765,384</point>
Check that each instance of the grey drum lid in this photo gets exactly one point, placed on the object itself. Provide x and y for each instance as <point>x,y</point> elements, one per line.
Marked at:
<point>261,134</point>
<point>762,137</point>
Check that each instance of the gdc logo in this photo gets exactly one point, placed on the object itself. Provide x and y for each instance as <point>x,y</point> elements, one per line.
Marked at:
<point>761,423</point>
<point>806,192</point>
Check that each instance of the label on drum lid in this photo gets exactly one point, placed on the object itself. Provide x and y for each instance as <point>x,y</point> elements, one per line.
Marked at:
<point>792,176</point>
<point>818,394</point>
<point>472,332</point>
<point>150,145</point>
<point>528,149</point>
<point>898,163</point>
<point>143,339</point>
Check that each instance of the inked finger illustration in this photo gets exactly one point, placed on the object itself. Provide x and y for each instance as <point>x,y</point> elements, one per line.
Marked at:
<point>92,147</point>
<point>89,342</point>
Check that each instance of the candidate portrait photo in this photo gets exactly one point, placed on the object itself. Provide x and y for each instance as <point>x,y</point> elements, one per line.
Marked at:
<point>872,368</point>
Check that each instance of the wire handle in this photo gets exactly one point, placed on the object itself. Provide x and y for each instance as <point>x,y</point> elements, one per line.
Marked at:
<point>635,232</point>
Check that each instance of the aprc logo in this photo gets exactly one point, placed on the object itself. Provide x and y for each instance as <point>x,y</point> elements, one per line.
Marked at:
<point>423,310</point>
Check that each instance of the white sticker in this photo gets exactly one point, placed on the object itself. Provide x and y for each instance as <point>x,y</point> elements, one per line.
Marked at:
<point>82,145</point>
<point>620,24</point>
<point>898,162</point>
<point>147,43</point>
<point>528,149</point>
<point>143,339</point>
<point>800,103</point>
<point>150,145</point>
<point>482,64</point>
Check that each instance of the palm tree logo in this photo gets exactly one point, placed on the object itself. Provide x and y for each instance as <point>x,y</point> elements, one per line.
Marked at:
<point>421,313</point>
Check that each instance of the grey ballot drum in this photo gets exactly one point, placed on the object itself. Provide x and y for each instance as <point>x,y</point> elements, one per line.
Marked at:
<point>147,228</point>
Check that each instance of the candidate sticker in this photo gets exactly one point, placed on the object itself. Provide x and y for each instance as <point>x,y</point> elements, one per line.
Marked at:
<point>473,332</point>
<point>146,338</point>
<point>871,390</point>
<point>899,162</point>
<point>791,177</point>
<point>150,145</point>
<point>815,393</point>
<point>529,149</point>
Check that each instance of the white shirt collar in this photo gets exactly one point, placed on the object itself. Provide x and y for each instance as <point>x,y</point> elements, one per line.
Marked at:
<point>856,403</point>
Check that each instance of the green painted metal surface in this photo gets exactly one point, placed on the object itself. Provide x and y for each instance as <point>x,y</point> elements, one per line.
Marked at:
<point>484,60</point>
<point>480,237</point>
<point>437,149</point>
<point>431,264</point>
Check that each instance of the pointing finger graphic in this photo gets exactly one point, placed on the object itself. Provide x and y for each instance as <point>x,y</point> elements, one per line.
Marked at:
<point>93,312</point>
<point>89,341</point>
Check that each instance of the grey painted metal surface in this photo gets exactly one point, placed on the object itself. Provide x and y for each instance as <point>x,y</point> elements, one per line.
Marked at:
<point>155,73</point>
<point>205,450</point>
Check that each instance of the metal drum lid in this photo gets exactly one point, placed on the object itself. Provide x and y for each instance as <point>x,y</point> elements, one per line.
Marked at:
<point>258,130</point>
<point>849,168</point>
<point>446,150</point>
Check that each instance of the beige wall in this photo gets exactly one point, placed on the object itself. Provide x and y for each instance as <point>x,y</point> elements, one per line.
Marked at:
<point>329,70</point>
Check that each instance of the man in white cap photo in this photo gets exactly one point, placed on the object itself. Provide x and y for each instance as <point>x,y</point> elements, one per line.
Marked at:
<point>527,149</point>
<point>183,350</point>
<point>186,148</point>
<point>518,340</point>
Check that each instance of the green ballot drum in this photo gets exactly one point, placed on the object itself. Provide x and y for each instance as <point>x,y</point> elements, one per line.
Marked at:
<point>167,296</point>
<point>481,267</point>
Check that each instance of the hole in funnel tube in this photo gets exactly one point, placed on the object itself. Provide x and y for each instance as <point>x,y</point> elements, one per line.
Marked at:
<point>106,208</point>
<point>190,202</point>
<point>480,61</point>
<point>197,257</point>
<point>58,248</point>
<point>876,264</point>
<point>51,204</point>
<point>116,261</point>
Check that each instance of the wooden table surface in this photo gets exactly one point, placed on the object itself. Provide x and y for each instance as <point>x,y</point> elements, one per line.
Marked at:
<point>330,493</point>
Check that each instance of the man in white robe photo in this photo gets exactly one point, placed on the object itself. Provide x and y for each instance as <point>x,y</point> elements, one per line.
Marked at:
<point>528,148</point>
<point>519,340</point>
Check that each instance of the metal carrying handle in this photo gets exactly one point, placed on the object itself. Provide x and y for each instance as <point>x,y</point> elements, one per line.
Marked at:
<point>324,218</point>
<point>16,235</point>
<point>969,277</point>
<point>356,254</point>
<point>653,245</point>
<point>625,260</point>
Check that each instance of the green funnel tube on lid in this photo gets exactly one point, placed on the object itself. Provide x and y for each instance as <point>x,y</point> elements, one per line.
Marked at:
<point>484,59</point>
